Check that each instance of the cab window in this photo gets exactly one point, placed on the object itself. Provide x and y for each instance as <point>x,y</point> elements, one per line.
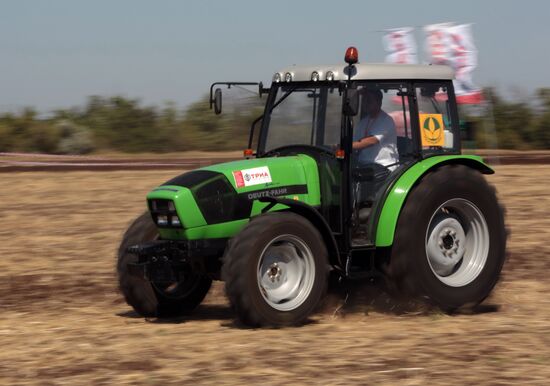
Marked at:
<point>438,129</point>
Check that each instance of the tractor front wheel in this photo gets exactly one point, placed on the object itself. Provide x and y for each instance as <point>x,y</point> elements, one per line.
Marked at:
<point>149,298</point>
<point>276,270</point>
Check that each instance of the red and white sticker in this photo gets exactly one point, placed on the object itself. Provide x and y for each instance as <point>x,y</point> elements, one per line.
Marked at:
<point>254,176</point>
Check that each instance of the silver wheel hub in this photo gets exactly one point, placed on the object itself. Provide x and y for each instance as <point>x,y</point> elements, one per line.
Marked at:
<point>274,272</point>
<point>286,272</point>
<point>457,242</point>
<point>445,246</point>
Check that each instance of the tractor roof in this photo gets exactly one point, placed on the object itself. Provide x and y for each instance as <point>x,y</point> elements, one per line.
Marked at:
<point>371,71</point>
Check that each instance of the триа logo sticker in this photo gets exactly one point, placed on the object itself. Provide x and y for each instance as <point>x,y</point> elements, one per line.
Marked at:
<point>250,177</point>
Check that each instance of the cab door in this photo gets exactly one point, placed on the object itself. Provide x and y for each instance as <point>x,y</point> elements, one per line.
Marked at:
<point>374,167</point>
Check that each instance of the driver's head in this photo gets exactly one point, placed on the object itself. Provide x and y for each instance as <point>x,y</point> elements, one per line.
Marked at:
<point>373,100</point>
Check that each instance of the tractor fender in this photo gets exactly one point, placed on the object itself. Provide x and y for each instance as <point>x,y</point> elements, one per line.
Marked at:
<point>314,217</point>
<point>397,193</point>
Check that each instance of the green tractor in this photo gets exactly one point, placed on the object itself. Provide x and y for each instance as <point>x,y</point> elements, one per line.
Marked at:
<point>327,190</point>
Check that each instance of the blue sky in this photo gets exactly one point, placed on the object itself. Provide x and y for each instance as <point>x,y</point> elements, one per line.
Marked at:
<point>56,53</point>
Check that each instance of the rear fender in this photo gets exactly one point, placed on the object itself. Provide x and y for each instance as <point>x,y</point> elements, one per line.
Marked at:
<point>395,199</point>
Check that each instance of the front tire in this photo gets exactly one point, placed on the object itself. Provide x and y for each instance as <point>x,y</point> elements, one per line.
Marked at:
<point>276,270</point>
<point>450,241</point>
<point>152,299</point>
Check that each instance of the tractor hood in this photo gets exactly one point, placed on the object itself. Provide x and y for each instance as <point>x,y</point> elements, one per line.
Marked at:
<point>231,191</point>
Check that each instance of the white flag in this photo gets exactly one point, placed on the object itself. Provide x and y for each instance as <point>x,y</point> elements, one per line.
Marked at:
<point>464,61</point>
<point>437,43</point>
<point>453,45</point>
<point>400,46</point>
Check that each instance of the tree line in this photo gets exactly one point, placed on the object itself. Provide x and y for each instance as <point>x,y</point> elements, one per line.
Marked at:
<point>125,125</point>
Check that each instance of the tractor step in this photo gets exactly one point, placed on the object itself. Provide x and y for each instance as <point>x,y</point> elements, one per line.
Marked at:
<point>361,264</point>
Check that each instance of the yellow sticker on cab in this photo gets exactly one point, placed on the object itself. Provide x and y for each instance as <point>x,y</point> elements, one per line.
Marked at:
<point>432,130</point>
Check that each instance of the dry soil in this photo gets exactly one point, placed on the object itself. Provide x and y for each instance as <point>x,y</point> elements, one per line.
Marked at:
<point>62,321</point>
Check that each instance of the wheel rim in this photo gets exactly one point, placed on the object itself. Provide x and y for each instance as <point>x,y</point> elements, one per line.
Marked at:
<point>286,272</point>
<point>457,242</point>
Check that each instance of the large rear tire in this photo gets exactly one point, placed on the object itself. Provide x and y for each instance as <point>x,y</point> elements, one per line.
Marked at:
<point>450,241</point>
<point>276,270</point>
<point>151,299</point>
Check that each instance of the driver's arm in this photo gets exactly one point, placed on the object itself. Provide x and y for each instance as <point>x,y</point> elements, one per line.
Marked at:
<point>365,142</point>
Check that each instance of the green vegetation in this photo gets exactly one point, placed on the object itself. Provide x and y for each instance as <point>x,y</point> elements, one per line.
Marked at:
<point>122,124</point>
<point>523,125</point>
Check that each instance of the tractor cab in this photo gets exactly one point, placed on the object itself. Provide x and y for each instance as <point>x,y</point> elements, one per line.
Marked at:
<point>365,124</point>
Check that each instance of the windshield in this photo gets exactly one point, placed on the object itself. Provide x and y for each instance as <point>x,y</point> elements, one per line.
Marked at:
<point>304,114</point>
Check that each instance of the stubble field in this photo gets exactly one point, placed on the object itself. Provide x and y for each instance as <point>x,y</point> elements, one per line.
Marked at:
<point>62,320</point>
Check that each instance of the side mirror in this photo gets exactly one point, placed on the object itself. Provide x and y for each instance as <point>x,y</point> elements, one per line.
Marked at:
<point>262,90</point>
<point>351,102</point>
<point>215,98</point>
<point>218,101</point>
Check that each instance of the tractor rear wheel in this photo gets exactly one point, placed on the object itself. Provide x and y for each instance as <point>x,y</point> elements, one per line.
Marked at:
<point>450,241</point>
<point>151,299</point>
<point>276,270</point>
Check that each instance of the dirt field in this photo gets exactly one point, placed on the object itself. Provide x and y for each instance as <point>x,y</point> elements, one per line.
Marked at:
<point>63,322</point>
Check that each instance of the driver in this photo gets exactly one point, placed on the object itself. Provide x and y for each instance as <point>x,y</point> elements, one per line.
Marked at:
<point>375,138</point>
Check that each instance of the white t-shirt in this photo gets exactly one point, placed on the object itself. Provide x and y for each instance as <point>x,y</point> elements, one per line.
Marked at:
<point>382,128</point>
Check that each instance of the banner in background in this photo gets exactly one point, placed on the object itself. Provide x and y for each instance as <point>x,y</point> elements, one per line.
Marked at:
<point>446,44</point>
<point>400,45</point>
<point>464,61</point>
<point>453,45</point>
<point>437,43</point>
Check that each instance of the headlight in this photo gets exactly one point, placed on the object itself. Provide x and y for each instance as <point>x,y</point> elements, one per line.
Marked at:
<point>329,76</point>
<point>276,77</point>
<point>162,220</point>
<point>315,76</point>
<point>288,77</point>
<point>164,213</point>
